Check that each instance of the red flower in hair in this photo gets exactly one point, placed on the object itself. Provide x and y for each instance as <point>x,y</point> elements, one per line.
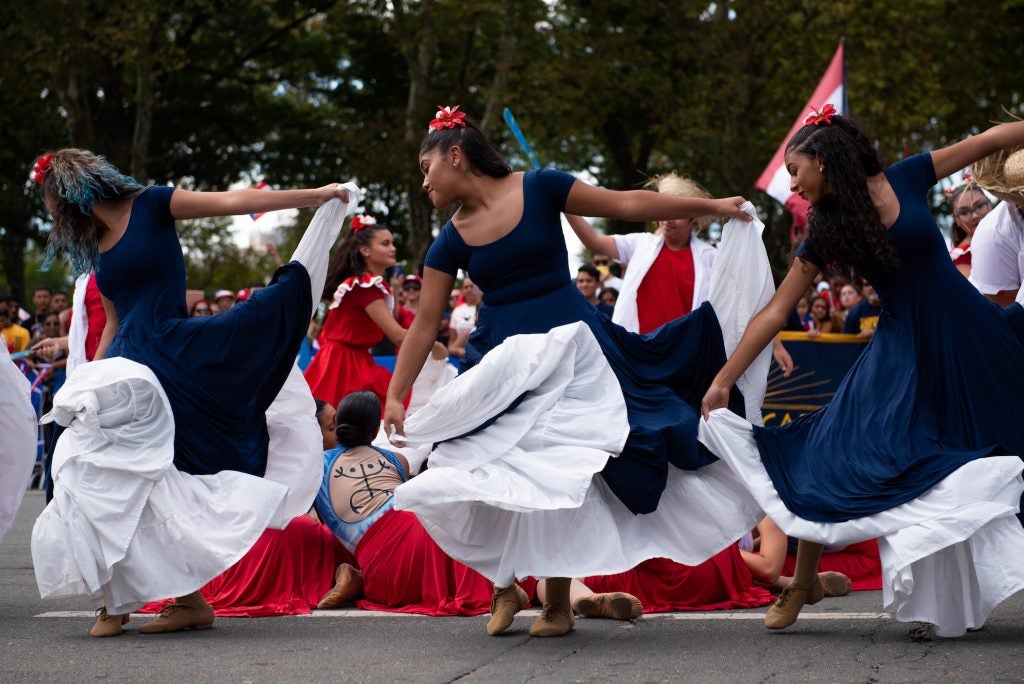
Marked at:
<point>968,178</point>
<point>448,117</point>
<point>41,167</point>
<point>948,191</point>
<point>360,221</point>
<point>824,116</point>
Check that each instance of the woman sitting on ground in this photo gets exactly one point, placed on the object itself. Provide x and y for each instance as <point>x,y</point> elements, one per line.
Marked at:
<point>401,569</point>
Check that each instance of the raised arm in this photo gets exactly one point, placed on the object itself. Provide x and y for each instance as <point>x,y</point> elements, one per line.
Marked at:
<point>761,330</point>
<point>645,205</point>
<point>189,204</point>
<point>421,336</point>
<point>964,153</point>
<point>591,239</point>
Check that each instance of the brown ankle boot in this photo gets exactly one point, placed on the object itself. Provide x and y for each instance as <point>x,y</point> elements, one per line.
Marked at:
<point>555,620</point>
<point>187,612</point>
<point>786,608</point>
<point>504,605</point>
<point>616,605</point>
<point>348,585</point>
<point>107,625</point>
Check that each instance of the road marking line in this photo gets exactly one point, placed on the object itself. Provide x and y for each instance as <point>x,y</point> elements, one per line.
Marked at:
<point>354,613</point>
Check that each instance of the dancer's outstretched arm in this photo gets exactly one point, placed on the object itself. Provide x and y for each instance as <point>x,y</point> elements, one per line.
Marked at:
<point>189,204</point>
<point>421,336</point>
<point>591,239</point>
<point>646,205</point>
<point>762,329</point>
<point>964,153</point>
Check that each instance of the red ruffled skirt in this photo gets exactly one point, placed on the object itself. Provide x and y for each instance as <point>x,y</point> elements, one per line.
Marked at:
<point>723,582</point>
<point>286,572</point>
<point>339,369</point>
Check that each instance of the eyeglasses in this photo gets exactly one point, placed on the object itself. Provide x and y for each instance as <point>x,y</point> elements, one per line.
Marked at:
<point>979,208</point>
<point>602,262</point>
<point>410,287</point>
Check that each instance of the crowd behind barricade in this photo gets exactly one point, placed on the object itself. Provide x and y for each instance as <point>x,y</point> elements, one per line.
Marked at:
<point>365,551</point>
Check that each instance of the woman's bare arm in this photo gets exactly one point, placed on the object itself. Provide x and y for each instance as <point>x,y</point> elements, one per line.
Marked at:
<point>189,204</point>
<point>762,329</point>
<point>109,329</point>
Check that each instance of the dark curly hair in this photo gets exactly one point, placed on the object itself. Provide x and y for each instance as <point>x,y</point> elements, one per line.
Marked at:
<point>844,228</point>
<point>483,156</point>
<point>347,260</point>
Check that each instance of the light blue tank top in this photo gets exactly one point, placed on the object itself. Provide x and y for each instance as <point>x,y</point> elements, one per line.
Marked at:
<point>349,533</point>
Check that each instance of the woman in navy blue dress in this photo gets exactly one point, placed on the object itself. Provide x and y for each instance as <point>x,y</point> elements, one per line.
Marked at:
<point>894,453</point>
<point>507,235</point>
<point>220,374</point>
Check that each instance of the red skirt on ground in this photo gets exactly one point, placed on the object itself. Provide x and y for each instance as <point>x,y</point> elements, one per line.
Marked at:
<point>404,571</point>
<point>859,562</point>
<point>286,572</point>
<point>723,582</point>
<point>339,369</point>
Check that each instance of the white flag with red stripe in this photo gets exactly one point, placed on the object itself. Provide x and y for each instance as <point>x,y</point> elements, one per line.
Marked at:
<point>831,89</point>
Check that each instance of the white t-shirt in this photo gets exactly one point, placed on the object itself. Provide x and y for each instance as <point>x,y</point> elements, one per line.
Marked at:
<point>463,318</point>
<point>997,264</point>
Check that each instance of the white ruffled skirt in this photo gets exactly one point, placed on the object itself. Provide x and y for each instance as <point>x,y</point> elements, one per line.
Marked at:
<point>126,527</point>
<point>948,557</point>
<point>524,496</point>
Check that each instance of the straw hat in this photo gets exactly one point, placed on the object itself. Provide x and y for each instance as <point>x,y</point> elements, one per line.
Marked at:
<point>680,186</point>
<point>1002,174</point>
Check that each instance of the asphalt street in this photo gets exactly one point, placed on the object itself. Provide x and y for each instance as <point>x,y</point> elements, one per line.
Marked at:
<point>846,639</point>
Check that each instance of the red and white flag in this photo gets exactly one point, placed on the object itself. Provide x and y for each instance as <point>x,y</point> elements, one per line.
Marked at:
<point>262,186</point>
<point>831,89</point>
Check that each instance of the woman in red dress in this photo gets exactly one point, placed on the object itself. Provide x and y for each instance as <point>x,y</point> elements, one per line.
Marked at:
<point>360,315</point>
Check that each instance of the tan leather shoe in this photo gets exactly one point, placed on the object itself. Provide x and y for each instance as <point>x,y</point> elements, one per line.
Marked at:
<point>617,605</point>
<point>108,625</point>
<point>178,616</point>
<point>348,583</point>
<point>786,608</point>
<point>504,605</point>
<point>554,621</point>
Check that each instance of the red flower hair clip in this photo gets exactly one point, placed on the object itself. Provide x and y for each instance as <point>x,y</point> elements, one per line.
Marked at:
<point>824,116</point>
<point>360,221</point>
<point>448,117</point>
<point>41,168</point>
<point>948,191</point>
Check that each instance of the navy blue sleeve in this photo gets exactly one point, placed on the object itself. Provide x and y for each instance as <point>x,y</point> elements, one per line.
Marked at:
<point>917,173</point>
<point>158,199</point>
<point>448,253</point>
<point>556,185</point>
<point>806,252</point>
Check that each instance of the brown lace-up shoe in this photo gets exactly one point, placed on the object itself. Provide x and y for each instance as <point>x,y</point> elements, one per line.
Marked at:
<point>616,605</point>
<point>504,605</point>
<point>786,608</point>
<point>107,625</point>
<point>554,621</point>
<point>187,612</point>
